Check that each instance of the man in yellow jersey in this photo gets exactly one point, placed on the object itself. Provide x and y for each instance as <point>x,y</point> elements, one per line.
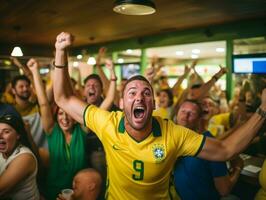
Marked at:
<point>140,149</point>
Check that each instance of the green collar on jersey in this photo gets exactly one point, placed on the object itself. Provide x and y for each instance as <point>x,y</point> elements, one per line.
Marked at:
<point>156,129</point>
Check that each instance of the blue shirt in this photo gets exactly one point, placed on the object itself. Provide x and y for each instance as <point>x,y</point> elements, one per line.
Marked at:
<point>194,177</point>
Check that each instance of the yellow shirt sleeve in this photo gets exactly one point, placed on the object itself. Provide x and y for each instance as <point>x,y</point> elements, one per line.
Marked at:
<point>188,142</point>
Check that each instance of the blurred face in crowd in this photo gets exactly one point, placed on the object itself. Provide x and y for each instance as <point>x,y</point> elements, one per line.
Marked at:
<point>209,108</point>
<point>64,120</point>
<point>193,93</point>
<point>8,139</point>
<point>188,115</point>
<point>22,90</point>
<point>93,91</point>
<point>163,99</point>
<point>249,97</point>
<point>86,183</point>
<point>138,103</point>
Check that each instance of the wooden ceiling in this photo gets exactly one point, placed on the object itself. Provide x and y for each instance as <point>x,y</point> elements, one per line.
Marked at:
<point>93,21</point>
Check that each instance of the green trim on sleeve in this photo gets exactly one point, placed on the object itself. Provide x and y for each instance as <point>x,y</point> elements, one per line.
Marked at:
<point>121,126</point>
<point>84,120</point>
<point>201,145</point>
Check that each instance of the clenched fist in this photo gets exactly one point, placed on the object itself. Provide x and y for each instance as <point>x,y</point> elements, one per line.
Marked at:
<point>33,64</point>
<point>63,41</point>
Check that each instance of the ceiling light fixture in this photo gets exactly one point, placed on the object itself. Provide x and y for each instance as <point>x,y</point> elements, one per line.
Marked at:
<point>120,60</point>
<point>219,49</point>
<point>196,51</point>
<point>134,7</point>
<point>79,56</point>
<point>179,53</point>
<point>193,56</point>
<point>129,51</point>
<point>91,61</point>
<point>17,52</point>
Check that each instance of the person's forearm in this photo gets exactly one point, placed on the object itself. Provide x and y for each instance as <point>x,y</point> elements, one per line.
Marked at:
<point>103,78</point>
<point>62,78</point>
<point>240,138</point>
<point>109,99</point>
<point>234,176</point>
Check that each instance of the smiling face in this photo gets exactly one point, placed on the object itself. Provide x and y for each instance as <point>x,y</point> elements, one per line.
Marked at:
<point>163,99</point>
<point>93,91</point>
<point>64,120</point>
<point>8,139</point>
<point>138,104</point>
<point>22,89</point>
<point>209,108</point>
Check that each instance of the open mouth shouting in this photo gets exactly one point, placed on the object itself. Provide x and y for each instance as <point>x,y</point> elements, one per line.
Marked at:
<point>2,144</point>
<point>139,112</point>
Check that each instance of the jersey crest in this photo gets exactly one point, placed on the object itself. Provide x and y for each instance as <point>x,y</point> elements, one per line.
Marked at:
<point>158,151</point>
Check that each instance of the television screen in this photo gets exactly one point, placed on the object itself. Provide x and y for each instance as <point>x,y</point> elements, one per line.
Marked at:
<point>250,63</point>
<point>130,69</point>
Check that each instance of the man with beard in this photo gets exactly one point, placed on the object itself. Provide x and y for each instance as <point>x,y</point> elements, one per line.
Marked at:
<point>29,110</point>
<point>140,149</point>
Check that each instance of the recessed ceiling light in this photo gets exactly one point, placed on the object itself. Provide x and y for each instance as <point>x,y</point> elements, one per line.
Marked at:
<point>91,61</point>
<point>220,50</point>
<point>129,51</point>
<point>196,51</point>
<point>179,53</point>
<point>194,56</point>
<point>75,64</point>
<point>79,56</point>
<point>120,60</point>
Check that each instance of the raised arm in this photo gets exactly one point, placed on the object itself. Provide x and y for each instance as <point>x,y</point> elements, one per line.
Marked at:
<point>25,70</point>
<point>222,150</point>
<point>180,80</point>
<point>204,89</point>
<point>100,71</point>
<point>46,112</point>
<point>63,91</point>
<point>110,96</point>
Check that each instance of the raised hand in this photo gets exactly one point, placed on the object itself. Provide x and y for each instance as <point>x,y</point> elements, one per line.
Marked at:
<point>193,64</point>
<point>101,54</point>
<point>63,41</point>
<point>150,73</point>
<point>223,70</point>
<point>33,65</point>
<point>187,70</point>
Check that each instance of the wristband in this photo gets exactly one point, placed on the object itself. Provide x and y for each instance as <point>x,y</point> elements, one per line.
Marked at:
<point>59,66</point>
<point>261,112</point>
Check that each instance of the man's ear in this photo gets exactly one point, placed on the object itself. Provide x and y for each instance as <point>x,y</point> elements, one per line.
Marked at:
<point>13,91</point>
<point>121,103</point>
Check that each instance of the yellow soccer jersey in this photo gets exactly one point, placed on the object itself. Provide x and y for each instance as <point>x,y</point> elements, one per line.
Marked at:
<point>140,170</point>
<point>219,124</point>
<point>261,195</point>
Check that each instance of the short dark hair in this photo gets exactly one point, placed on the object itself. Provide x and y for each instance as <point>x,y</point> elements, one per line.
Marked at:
<point>195,86</point>
<point>139,78</point>
<point>93,76</point>
<point>19,78</point>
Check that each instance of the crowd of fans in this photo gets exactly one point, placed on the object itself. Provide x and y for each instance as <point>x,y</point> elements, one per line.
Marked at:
<point>45,148</point>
